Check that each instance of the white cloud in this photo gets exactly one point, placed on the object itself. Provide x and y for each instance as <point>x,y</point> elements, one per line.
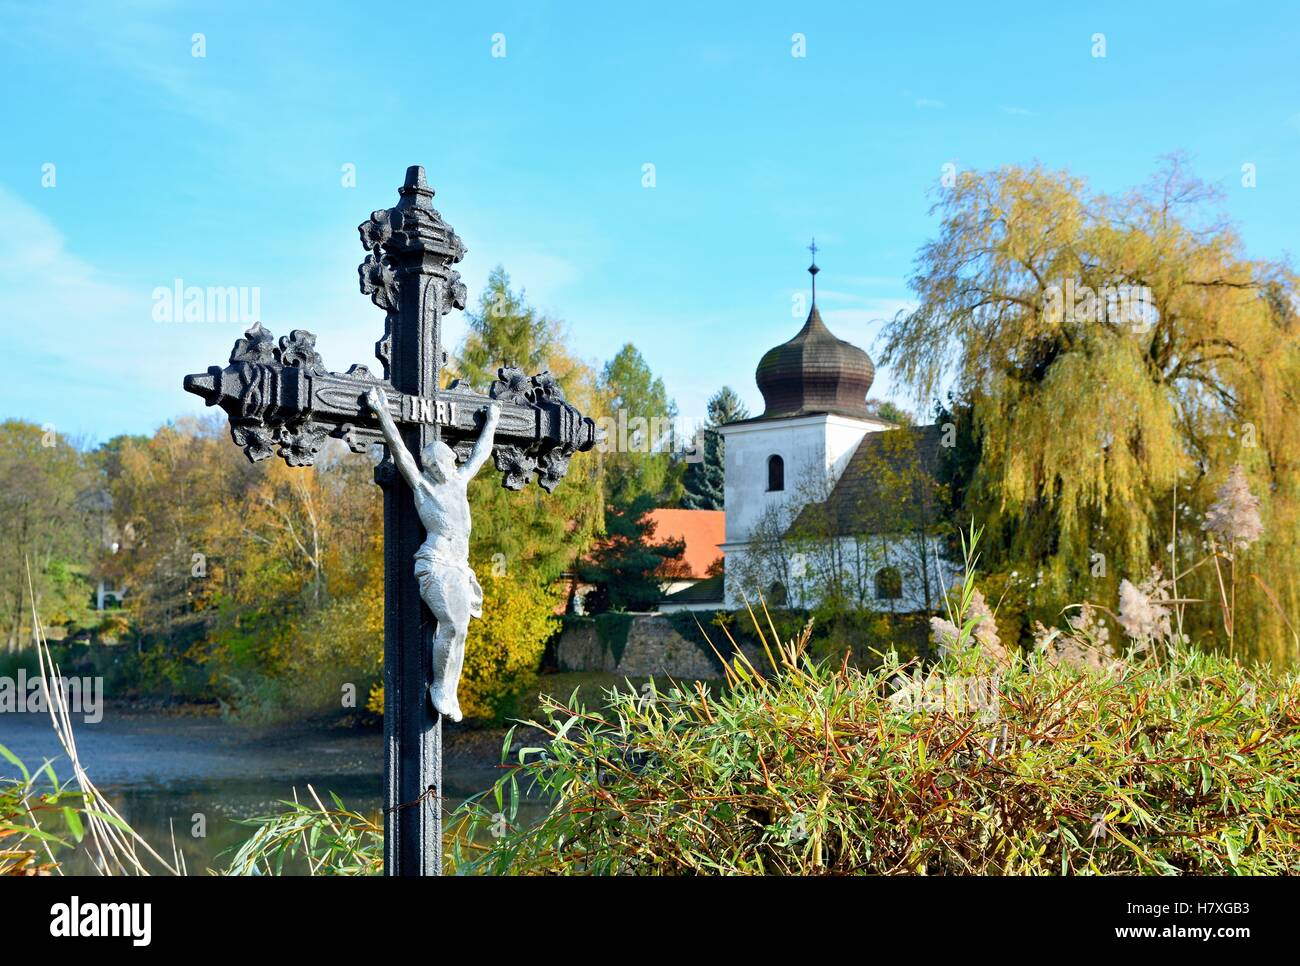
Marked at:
<point>545,277</point>
<point>873,312</point>
<point>923,102</point>
<point>88,352</point>
<point>48,292</point>
<point>715,55</point>
<point>126,42</point>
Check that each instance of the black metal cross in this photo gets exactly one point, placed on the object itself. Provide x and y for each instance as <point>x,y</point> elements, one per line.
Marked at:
<point>281,399</point>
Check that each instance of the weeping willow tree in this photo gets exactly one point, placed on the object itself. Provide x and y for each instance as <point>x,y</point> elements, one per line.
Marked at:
<point>1117,357</point>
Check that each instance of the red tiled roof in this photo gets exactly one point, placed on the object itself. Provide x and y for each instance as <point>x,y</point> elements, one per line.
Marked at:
<point>702,531</point>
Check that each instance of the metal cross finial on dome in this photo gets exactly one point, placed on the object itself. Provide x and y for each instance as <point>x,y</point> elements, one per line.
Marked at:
<point>813,269</point>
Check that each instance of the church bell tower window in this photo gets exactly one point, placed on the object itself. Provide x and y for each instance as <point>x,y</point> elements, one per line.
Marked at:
<point>775,474</point>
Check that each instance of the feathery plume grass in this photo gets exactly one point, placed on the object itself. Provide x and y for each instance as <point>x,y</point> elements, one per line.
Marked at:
<point>1234,516</point>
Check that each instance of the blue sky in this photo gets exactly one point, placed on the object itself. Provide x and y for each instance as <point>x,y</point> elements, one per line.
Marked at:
<point>226,169</point>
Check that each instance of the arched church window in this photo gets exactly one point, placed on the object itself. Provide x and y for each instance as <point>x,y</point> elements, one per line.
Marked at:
<point>889,583</point>
<point>775,474</point>
<point>776,594</point>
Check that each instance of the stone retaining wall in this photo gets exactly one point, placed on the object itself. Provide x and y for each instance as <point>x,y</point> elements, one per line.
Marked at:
<point>653,648</point>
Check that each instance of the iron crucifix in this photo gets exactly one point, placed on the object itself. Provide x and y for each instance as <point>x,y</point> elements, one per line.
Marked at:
<point>282,400</point>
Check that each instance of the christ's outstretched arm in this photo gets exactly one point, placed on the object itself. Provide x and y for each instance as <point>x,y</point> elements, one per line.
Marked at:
<point>483,447</point>
<point>378,401</point>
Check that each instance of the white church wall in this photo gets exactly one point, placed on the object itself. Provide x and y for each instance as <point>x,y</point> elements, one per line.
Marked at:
<point>861,559</point>
<point>799,443</point>
<point>815,450</point>
<point>804,573</point>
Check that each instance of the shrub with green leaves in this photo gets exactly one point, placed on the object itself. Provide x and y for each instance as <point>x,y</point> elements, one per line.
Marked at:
<point>311,837</point>
<point>40,819</point>
<point>1189,764</point>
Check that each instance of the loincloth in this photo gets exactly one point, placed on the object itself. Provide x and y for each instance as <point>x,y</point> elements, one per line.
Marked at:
<point>440,578</point>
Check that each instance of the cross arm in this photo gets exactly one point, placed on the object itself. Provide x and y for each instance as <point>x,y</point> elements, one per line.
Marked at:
<point>282,400</point>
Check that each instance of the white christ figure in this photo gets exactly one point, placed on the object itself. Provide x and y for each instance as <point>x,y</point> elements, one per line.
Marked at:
<point>447,582</point>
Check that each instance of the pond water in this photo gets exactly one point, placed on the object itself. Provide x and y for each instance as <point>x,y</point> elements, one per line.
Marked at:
<point>163,772</point>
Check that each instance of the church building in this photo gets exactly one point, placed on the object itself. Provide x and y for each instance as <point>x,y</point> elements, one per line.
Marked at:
<point>812,463</point>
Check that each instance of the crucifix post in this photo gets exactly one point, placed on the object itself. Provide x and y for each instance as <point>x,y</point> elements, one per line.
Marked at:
<point>419,250</point>
<point>283,401</point>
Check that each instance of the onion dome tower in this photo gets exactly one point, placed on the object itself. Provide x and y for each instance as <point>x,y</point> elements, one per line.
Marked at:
<point>815,372</point>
